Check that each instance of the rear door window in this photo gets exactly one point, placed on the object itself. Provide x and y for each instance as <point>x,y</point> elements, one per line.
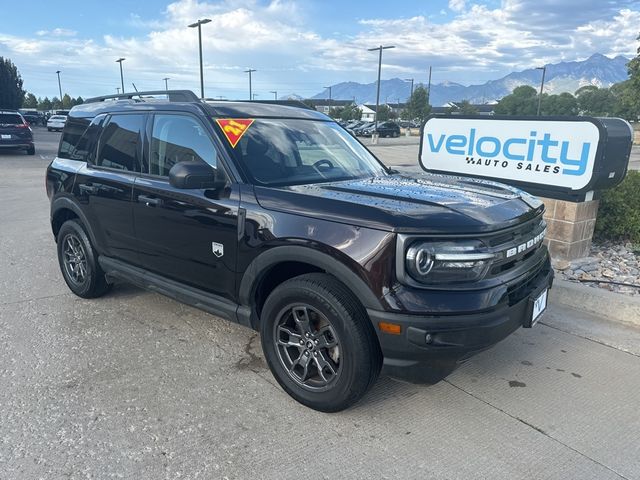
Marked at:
<point>120,143</point>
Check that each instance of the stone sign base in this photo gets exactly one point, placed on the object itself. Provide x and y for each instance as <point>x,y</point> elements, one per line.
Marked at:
<point>569,227</point>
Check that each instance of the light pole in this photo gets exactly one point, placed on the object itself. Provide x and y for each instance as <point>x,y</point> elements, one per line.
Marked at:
<point>250,71</point>
<point>253,96</point>
<point>120,60</point>
<point>380,48</point>
<point>275,94</point>
<point>429,88</point>
<point>59,87</point>
<point>199,24</point>
<point>329,88</point>
<point>166,83</point>
<point>544,71</point>
<point>118,89</point>
<point>410,80</point>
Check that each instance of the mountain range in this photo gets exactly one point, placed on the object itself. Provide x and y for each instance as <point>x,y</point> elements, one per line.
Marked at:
<point>560,77</point>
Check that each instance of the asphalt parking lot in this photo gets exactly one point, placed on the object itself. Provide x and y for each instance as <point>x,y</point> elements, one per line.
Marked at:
<point>134,385</point>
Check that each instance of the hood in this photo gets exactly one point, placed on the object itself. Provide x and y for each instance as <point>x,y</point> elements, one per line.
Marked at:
<point>430,203</point>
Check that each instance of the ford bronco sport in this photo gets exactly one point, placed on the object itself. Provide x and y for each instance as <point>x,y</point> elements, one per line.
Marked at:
<point>275,217</point>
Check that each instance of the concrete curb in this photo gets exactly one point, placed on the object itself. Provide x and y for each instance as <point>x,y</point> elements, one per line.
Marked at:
<point>608,305</point>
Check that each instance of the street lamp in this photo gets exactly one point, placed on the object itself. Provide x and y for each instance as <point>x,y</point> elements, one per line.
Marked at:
<point>329,88</point>
<point>120,60</point>
<point>199,24</point>
<point>410,80</point>
<point>59,86</point>
<point>275,94</point>
<point>118,90</point>
<point>429,88</point>
<point>250,71</point>
<point>253,96</point>
<point>544,71</point>
<point>166,83</point>
<point>380,48</point>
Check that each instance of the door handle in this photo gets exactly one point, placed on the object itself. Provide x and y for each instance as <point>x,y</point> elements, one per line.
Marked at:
<point>88,189</point>
<point>149,201</point>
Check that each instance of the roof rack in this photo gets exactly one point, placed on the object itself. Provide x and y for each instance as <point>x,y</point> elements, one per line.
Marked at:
<point>287,103</point>
<point>172,95</point>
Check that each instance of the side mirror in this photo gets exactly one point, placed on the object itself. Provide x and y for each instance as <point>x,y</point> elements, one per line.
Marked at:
<point>191,175</point>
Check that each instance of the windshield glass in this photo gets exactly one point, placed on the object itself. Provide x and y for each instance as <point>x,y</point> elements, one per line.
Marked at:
<point>281,152</point>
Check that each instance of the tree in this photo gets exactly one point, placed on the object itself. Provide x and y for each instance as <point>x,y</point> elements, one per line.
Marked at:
<point>351,112</point>
<point>11,92</point>
<point>45,104</point>
<point>56,104</point>
<point>627,104</point>
<point>463,108</point>
<point>78,101</point>
<point>30,101</point>
<point>564,104</point>
<point>66,102</point>
<point>522,101</point>
<point>595,101</point>
<point>418,107</point>
<point>384,113</point>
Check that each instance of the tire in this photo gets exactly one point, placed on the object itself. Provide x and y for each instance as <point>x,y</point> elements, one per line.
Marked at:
<point>342,359</point>
<point>86,279</point>
<point>31,151</point>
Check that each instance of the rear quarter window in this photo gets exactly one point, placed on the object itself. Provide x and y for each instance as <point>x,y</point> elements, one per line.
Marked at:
<point>73,131</point>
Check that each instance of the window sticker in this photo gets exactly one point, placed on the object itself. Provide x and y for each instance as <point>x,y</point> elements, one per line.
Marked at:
<point>234,128</point>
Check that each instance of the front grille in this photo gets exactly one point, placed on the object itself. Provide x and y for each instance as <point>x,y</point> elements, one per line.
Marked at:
<point>511,248</point>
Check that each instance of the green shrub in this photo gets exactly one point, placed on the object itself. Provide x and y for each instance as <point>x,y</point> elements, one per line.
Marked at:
<point>619,212</point>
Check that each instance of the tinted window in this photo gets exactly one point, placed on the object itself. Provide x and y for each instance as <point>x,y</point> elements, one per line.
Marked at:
<point>72,133</point>
<point>10,119</point>
<point>178,138</point>
<point>120,141</point>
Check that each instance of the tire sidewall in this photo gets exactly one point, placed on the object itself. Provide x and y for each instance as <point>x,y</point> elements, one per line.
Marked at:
<point>87,288</point>
<point>353,357</point>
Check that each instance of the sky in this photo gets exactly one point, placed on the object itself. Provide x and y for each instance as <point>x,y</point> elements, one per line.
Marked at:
<point>300,46</point>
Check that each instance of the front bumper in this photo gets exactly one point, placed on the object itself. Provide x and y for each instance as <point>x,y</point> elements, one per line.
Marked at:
<point>430,347</point>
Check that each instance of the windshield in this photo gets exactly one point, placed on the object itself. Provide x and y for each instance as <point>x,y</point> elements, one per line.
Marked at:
<point>281,152</point>
<point>57,117</point>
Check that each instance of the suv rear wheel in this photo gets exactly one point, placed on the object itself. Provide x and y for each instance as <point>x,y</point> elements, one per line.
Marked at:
<point>79,262</point>
<point>318,343</point>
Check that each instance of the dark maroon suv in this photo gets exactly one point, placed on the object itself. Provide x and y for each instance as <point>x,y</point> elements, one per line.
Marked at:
<point>15,132</point>
<point>275,217</point>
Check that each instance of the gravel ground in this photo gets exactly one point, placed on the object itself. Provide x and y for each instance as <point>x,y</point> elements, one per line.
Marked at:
<point>608,262</point>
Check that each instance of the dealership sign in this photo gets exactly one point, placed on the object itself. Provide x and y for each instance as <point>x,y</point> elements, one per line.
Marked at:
<point>556,157</point>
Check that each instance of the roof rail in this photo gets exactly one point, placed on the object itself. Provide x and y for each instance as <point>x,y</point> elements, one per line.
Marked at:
<point>287,103</point>
<point>173,95</point>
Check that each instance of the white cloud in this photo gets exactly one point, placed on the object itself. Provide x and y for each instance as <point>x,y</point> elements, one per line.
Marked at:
<point>457,5</point>
<point>473,44</point>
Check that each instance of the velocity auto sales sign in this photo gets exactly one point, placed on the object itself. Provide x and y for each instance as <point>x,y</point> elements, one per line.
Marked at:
<point>550,153</point>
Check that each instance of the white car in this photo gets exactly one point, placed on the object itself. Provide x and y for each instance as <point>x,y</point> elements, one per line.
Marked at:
<point>56,122</point>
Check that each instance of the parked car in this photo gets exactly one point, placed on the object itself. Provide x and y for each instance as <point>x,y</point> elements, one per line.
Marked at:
<point>56,122</point>
<point>15,132</point>
<point>33,118</point>
<point>384,129</point>
<point>276,218</point>
<point>359,130</point>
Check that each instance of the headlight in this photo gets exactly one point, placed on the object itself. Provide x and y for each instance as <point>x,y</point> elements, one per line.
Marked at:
<point>447,262</point>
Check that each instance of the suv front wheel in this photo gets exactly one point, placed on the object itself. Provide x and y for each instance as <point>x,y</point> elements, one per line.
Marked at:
<point>318,343</point>
<point>79,262</point>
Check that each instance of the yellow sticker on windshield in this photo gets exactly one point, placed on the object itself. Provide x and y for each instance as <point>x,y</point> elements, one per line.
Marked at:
<point>234,128</point>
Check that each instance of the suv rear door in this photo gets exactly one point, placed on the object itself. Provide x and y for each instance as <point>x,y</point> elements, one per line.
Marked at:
<point>188,235</point>
<point>104,185</point>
